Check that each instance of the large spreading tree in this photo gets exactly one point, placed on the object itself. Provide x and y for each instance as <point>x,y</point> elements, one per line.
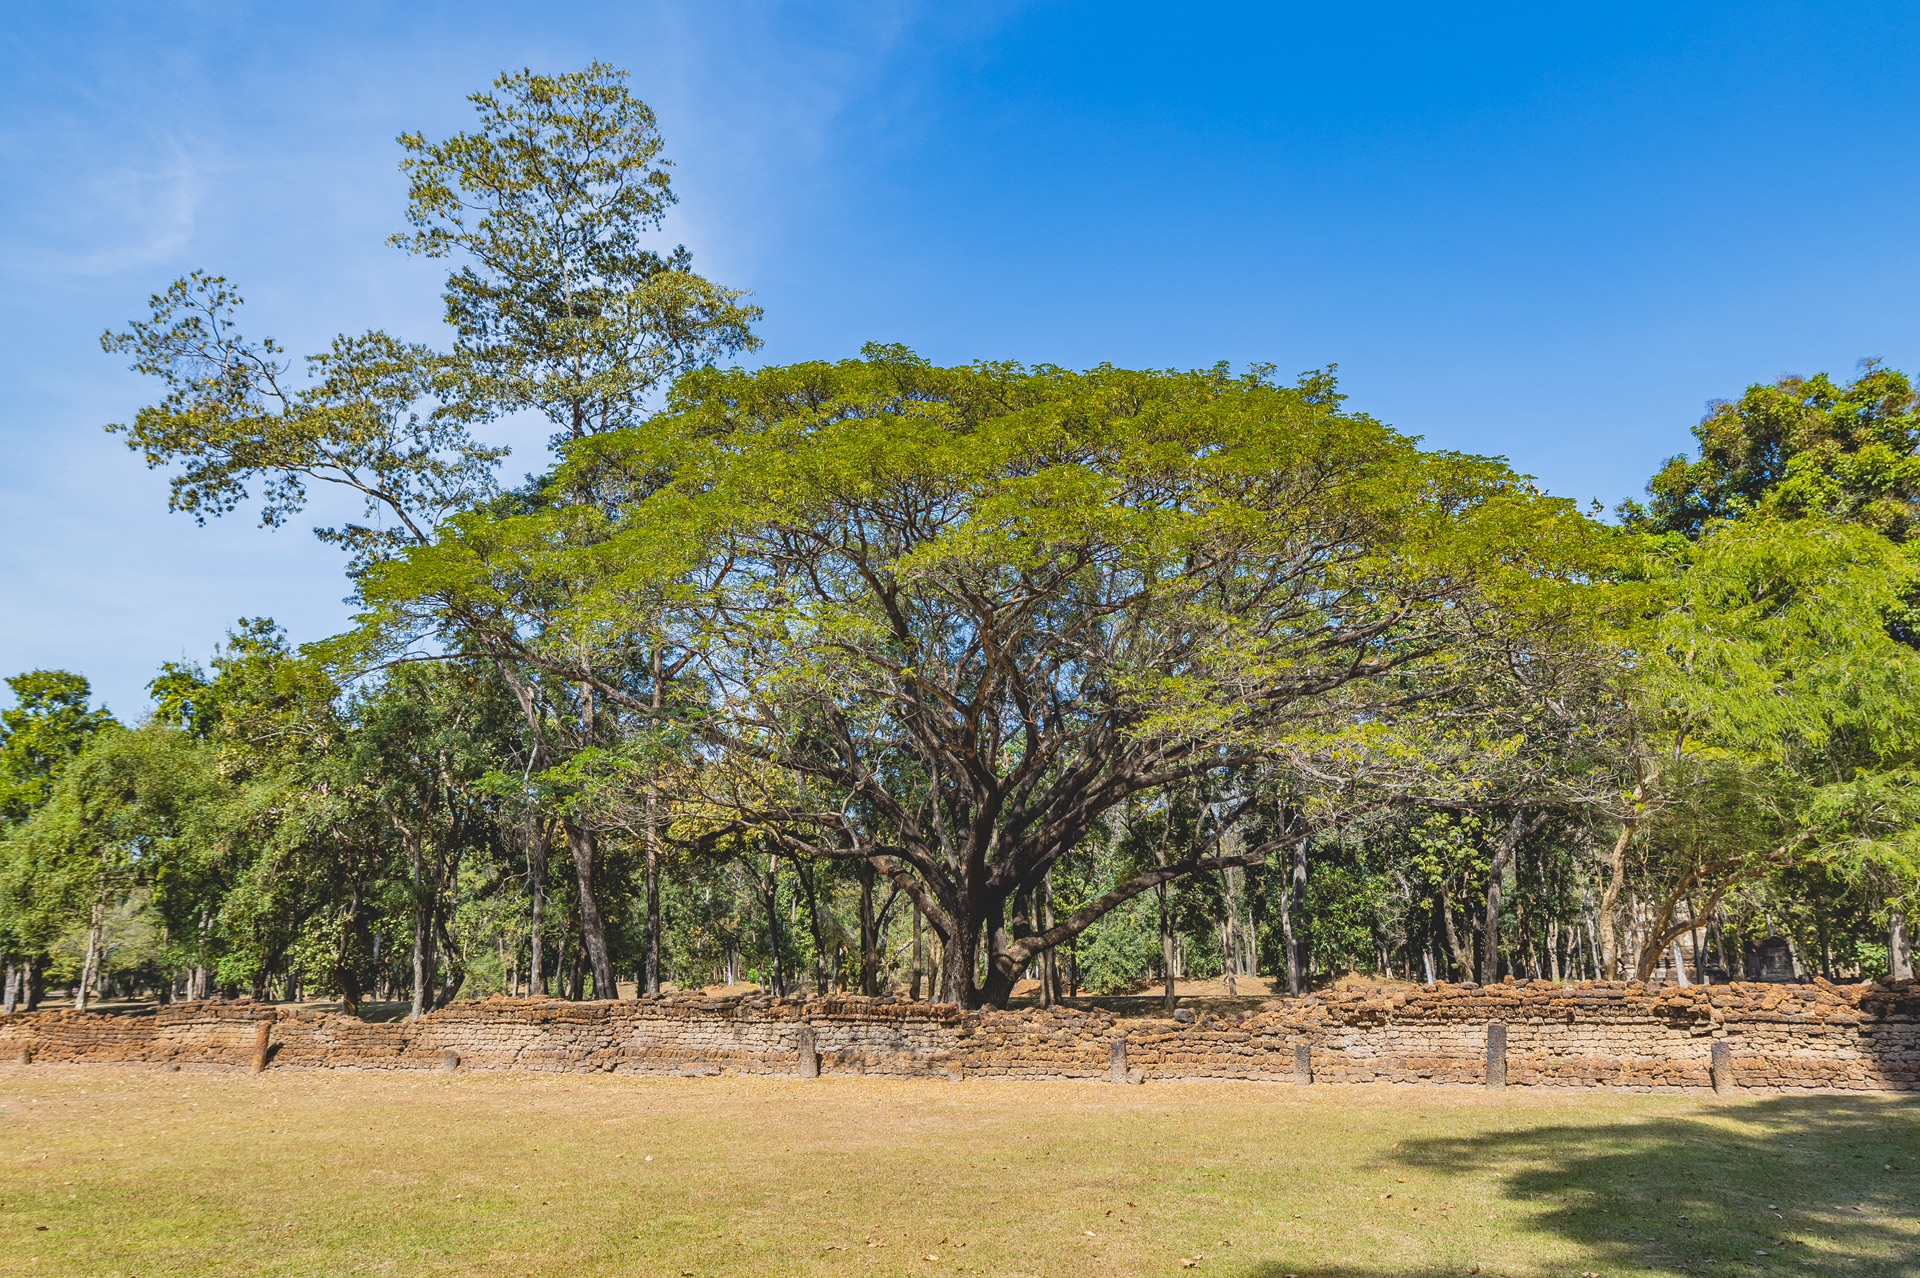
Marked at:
<point>946,621</point>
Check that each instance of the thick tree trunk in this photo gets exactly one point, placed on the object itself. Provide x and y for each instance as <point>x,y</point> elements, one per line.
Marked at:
<point>1000,976</point>
<point>1899,948</point>
<point>585,845</point>
<point>958,955</point>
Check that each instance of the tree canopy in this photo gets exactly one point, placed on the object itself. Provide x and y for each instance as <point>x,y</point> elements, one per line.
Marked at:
<point>970,680</point>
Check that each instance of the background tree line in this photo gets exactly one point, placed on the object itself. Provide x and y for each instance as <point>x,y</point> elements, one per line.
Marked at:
<point>876,674</point>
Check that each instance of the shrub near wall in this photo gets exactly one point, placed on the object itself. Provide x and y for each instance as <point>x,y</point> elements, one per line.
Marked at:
<point>1597,1034</point>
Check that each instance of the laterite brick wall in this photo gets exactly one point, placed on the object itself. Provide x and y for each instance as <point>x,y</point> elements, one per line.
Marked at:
<point>1597,1034</point>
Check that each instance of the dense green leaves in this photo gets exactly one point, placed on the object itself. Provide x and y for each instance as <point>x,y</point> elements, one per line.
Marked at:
<point>558,305</point>
<point>1802,445</point>
<point>49,724</point>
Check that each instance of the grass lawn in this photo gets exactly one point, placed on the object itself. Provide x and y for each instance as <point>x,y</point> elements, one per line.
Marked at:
<point>109,1170</point>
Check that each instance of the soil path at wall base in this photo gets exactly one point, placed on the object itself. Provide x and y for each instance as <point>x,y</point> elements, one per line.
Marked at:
<point>129,1170</point>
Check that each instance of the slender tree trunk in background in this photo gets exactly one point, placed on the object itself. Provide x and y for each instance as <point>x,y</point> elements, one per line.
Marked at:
<point>15,978</point>
<point>576,974</point>
<point>919,955</point>
<point>422,939</point>
<point>344,977</point>
<point>537,939</point>
<point>1229,939</point>
<point>822,977</point>
<point>1793,952</point>
<point>1286,938</point>
<point>447,977</point>
<point>1049,969</point>
<point>651,983</point>
<point>650,969</point>
<point>1488,968</point>
<point>1166,923</point>
<point>869,938</point>
<point>1679,964</point>
<point>593,929</point>
<point>1296,937</point>
<point>1899,948</point>
<point>1605,917</point>
<point>1166,943</point>
<point>773,923</point>
<point>585,844</point>
<point>90,967</point>
<point>1504,849</point>
<point>1462,960</point>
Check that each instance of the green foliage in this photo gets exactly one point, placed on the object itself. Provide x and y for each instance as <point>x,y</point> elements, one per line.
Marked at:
<point>559,307</point>
<point>230,418</point>
<point>49,724</point>
<point>124,812</point>
<point>1801,446</point>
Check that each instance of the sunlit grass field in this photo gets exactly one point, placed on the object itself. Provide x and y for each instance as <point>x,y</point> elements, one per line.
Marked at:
<point>107,1170</point>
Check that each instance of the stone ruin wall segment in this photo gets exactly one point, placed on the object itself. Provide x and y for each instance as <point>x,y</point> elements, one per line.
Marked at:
<point>1596,1034</point>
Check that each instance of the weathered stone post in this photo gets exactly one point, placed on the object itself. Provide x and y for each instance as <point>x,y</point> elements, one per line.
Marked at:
<point>1303,1063</point>
<point>1722,1065</point>
<point>809,1055</point>
<point>262,1044</point>
<point>450,1060</point>
<point>1496,1055</point>
<point>1118,1068</point>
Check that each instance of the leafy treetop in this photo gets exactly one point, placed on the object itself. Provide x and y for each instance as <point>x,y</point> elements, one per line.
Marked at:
<point>50,724</point>
<point>1802,445</point>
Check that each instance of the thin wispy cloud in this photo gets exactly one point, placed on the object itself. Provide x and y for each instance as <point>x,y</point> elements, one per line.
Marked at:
<point>100,221</point>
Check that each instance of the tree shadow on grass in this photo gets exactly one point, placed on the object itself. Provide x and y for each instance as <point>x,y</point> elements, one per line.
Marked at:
<point>1800,1184</point>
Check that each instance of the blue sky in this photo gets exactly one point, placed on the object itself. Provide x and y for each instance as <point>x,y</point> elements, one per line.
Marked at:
<point>1546,232</point>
